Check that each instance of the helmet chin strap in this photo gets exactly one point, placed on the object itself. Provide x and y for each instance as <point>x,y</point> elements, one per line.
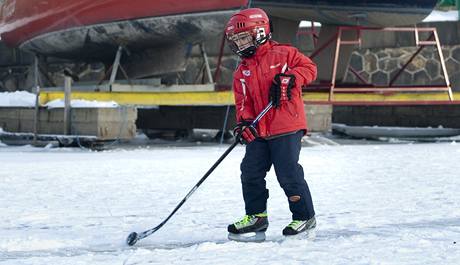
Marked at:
<point>250,51</point>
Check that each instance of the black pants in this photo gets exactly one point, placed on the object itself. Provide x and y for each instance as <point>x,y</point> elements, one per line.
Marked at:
<point>283,152</point>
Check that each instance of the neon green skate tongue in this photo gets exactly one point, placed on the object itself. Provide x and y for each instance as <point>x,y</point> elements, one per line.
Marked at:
<point>243,222</point>
<point>294,224</point>
<point>248,219</point>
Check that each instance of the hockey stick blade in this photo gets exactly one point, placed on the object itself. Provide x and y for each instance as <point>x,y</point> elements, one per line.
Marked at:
<point>132,239</point>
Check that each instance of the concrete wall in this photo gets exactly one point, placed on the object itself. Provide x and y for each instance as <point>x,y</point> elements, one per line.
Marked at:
<point>104,123</point>
<point>319,117</point>
<point>185,117</point>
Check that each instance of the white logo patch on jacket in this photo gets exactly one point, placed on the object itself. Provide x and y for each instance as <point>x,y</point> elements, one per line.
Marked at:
<point>247,72</point>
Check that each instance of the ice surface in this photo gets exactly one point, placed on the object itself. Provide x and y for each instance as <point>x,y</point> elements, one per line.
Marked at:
<point>376,204</point>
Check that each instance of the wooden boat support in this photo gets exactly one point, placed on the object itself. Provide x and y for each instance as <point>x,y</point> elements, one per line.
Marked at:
<point>181,111</point>
<point>224,98</point>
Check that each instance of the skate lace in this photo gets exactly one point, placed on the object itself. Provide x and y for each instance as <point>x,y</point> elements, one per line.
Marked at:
<point>294,224</point>
<point>249,218</point>
<point>246,219</point>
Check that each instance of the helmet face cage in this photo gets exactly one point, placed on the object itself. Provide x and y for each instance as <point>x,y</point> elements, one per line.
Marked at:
<point>245,43</point>
<point>242,43</point>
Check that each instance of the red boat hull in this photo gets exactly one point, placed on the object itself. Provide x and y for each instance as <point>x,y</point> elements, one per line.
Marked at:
<point>158,35</point>
<point>20,20</point>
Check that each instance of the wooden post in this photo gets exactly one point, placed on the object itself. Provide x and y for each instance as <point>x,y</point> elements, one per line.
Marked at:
<point>206,63</point>
<point>67,105</point>
<point>37,99</point>
<point>115,65</point>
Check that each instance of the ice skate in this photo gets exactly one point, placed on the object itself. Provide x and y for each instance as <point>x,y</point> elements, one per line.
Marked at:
<point>250,229</point>
<point>301,229</point>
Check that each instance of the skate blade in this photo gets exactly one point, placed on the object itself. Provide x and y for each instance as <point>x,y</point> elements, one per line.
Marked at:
<point>309,235</point>
<point>247,237</point>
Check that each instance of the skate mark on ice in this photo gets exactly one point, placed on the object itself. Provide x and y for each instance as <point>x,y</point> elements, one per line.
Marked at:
<point>389,230</point>
<point>119,250</point>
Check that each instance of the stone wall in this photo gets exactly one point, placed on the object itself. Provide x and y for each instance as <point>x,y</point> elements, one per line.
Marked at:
<point>379,66</point>
<point>375,65</point>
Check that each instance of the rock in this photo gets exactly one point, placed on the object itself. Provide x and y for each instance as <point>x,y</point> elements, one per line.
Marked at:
<point>456,53</point>
<point>370,62</point>
<point>380,78</point>
<point>417,63</point>
<point>356,62</point>
<point>421,78</point>
<point>432,68</point>
<point>405,78</point>
<point>452,66</point>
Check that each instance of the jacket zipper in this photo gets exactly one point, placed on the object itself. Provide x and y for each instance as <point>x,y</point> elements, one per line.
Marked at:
<point>243,85</point>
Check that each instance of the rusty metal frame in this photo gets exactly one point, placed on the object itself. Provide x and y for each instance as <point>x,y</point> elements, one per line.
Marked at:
<point>432,40</point>
<point>408,61</point>
<point>355,73</point>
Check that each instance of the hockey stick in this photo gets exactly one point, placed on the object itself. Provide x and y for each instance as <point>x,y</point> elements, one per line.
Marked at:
<point>134,237</point>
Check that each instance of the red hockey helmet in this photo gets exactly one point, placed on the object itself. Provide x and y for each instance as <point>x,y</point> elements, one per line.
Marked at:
<point>247,30</point>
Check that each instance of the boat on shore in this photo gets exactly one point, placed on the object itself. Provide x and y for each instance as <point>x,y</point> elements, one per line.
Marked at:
<point>164,32</point>
<point>72,28</point>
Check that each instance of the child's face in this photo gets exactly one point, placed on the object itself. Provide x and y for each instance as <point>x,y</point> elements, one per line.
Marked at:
<point>242,40</point>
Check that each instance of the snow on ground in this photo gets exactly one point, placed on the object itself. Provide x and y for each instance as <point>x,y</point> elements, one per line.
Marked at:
<point>376,204</point>
<point>27,99</point>
<point>81,103</point>
<point>17,99</point>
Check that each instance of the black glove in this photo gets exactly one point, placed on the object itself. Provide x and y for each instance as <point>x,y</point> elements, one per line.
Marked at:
<point>247,131</point>
<point>281,89</point>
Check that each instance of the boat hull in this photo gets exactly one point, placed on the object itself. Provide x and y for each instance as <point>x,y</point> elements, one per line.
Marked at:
<point>101,41</point>
<point>21,21</point>
<point>163,32</point>
<point>375,13</point>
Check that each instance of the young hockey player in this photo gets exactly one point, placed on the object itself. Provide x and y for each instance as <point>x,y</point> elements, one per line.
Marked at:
<point>269,71</point>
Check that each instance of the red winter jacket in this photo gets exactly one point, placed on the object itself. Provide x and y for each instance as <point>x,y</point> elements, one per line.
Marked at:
<point>251,84</point>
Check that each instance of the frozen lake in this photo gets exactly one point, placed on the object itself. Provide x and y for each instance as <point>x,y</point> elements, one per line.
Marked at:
<point>375,204</point>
